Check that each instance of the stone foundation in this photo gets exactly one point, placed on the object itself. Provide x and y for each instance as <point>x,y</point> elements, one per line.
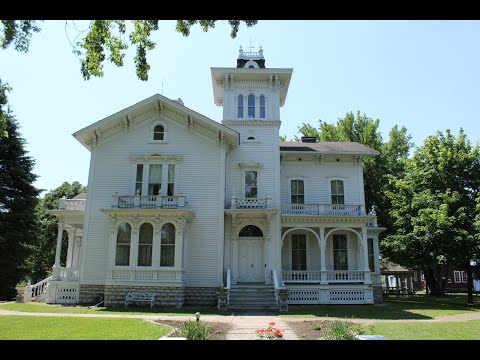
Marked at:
<point>201,296</point>
<point>377,294</point>
<point>164,296</point>
<point>91,294</point>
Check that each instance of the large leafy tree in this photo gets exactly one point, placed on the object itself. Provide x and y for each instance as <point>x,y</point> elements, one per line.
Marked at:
<point>105,39</point>
<point>434,207</point>
<point>43,249</point>
<point>18,198</point>
<point>392,158</point>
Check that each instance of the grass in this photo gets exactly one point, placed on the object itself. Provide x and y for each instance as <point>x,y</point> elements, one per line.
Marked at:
<point>394,308</point>
<point>468,330</point>
<point>46,308</point>
<point>75,328</point>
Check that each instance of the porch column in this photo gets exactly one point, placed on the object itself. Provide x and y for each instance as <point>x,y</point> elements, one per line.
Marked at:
<point>113,248</point>
<point>179,248</point>
<point>234,260</point>
<point>70,249</point>
<point>134,249</point>
<point>322,245</point>
<point>376,255</point>
<point>366,268</point>
<point>56,266</point>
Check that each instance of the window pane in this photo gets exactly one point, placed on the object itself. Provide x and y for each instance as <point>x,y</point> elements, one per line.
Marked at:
<point>340,253</point>
<point>371,258</point>
<point>158,132</point>
<point>250,184</point>
<point>262,106</point>
<point>171,173</point>
<point>122,255</point>
<point>299,252</point>
<point>240,106</point>
<point>145,255</point>
<point>251,106</point>
<point>167,255</point>
<point>155,175</point>
<point>294,187</point>
<point>145,242</point>
<point>139,173</point>
<point>168,234</point>
<point>123,233</point>
<point>146,234</point>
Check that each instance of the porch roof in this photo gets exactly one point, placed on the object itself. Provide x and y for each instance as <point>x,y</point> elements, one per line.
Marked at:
<point>332,148</point>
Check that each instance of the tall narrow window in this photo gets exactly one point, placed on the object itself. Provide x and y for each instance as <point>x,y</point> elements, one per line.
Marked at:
<point>297,192</point>
<point>167,247</point>
<point>299,252</point>
<point>262,106</point>
<point>251,106</point>
<point>337,192</point>
<point>139,179</point>
<point>240,106</point>
<point>145,242</point>
<point>371,258</point>
<point>158,132</point>
<point>340,253</point>
<point>464,276</point>
<point>456,276</point>
<point>250,184</point>
<point>155,179</point>
<point>171,179</point>
<point>122,253</point>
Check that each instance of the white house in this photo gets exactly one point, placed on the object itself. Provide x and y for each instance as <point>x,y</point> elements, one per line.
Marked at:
<point>178,204</point>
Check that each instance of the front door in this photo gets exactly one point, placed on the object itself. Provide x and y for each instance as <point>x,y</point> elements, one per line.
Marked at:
<point>250,260</point>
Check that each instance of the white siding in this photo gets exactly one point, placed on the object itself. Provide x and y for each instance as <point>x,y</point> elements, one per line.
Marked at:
<point>198,178</point>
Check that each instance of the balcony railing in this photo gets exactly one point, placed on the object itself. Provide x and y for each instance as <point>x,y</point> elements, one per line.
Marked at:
<point>250,203</point>
<point>66,274</point>
<point>148,201</point>
<point>322,209</point>
<point>72,204</point>
<point>328,276</point>
<point>147,274</point>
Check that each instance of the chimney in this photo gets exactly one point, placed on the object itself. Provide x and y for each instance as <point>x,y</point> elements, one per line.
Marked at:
<point>309,139</point>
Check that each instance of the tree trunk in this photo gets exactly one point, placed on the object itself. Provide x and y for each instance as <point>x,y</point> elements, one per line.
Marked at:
<point>469,284</point>
<point>433,278</point>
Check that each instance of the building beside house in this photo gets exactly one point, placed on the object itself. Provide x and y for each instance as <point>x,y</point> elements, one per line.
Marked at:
<point>179,205</point>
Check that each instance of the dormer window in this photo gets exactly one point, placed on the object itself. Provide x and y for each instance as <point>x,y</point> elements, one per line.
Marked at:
<point>158,132</point>
<point>262,106</point>
<point>240,106</point>
<point>251,106</point>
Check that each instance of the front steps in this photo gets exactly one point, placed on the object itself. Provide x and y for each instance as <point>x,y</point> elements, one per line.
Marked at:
<point>259,297</point>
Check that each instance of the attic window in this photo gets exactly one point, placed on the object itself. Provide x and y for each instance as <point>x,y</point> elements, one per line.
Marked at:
<point>250,138</point>
<point>158,132</point>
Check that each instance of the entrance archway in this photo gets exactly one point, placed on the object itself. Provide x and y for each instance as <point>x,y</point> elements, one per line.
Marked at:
<point>250,255</point>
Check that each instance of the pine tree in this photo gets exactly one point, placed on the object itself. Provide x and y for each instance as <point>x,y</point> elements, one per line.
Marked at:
<point>18,198</point>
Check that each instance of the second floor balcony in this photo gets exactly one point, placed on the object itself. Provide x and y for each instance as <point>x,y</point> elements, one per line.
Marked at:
<point>323,209</point>
<point>148,201</point>
<point>250,203</point>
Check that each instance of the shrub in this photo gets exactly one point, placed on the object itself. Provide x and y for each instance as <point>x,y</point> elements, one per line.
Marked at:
<point>339,330</point>
<point>194,330</point>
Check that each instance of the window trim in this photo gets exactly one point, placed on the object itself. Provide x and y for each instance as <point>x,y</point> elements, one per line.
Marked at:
<point>174,245</point>
<point>457,277</point>
<point>254,106</point>
<point>333,178</point>
<point>290,188</point>
<point>152,129</point>
<point>146,172</point>
<point>242,107</point>
<point>152,254</point>
<point>332,262</point>
<point>251,166</point>
<point>131,245</point>
<point>260,106</point>
<point>464,277</point>
<point>306,251</point>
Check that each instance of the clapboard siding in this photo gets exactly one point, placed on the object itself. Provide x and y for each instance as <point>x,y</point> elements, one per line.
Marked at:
<point>317,177</point>
<point>198,178</point>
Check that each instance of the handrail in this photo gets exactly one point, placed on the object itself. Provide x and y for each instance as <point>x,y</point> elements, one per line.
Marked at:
<point>229,283</point>
<point>32,291</point>
<point>275,284</point>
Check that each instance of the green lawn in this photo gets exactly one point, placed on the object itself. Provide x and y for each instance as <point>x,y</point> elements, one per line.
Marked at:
<point>468,330</point>
<point>394,307</point>
<point>75,328</point>
<point>46,308</point>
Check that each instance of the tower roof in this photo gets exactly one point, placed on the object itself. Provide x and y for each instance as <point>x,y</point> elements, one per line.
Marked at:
<point>250,59</point>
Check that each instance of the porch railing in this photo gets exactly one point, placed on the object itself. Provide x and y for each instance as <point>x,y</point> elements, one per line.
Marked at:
<point>250,203</point>
<point>68,274</point>
<point>36,290</point>
<point>148,201</point>
<point>72,204</point>
<point>148,274</point>
<point>322,209</point>
<point>329,276</point>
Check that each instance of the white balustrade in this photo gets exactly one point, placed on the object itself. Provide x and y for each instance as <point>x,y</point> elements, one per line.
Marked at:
<point>68,274</point>
<point>147,275</point>
<point>250,203</point>
<point>333,276</point>
<point>148,201</point>
<point>322,209</point>
<point>72,204</point>
<point>38,289</point>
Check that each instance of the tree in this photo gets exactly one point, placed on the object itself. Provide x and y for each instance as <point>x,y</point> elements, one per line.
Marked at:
<point>3,111</point>
<point>107,37</point>
<point>391,160</point>
<point>434,207</point>
<point>17,208</point>
<point>43,250</point>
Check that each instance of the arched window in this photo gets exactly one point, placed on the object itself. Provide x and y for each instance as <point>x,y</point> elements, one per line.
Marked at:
<point>262,106</point>
<point>167,247</point>
<point>338,196</point>
<point>145,242</point>
<point>158,132</point>
<point>124,236</point>
<point>251,231</point>
<point>240,106</point>
<point>251,106</point>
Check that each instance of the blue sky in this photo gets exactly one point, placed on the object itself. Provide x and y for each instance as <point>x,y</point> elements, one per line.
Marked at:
<point>424,75</point>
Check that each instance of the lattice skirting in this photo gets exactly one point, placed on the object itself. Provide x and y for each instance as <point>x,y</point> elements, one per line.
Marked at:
<point>330,296</point>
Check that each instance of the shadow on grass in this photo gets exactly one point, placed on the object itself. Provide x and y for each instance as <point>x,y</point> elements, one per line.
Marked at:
<point>186,310</point>
<point>393,308</point>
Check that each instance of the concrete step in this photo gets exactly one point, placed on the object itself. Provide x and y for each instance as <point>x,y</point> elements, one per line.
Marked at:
<point>254,307</point>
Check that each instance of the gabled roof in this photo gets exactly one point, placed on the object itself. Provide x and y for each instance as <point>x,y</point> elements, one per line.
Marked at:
<point>154,103</point>
<point>333,148</point>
